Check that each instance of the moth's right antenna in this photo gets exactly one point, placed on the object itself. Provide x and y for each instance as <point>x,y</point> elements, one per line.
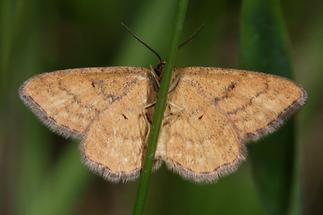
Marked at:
<point>141,41</point>
<point>191,37</point>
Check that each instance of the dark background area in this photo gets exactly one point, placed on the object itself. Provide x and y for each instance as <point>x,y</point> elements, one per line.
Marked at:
<point>42,173</point>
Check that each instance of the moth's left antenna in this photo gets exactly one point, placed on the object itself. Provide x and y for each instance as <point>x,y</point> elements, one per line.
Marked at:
<point>142,42</point>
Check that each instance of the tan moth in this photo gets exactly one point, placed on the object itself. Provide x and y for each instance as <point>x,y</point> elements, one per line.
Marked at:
<point>211,114</point>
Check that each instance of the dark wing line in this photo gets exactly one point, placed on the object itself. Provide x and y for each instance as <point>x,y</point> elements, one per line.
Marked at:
<point>285,114</point>
<point>49,122</point>
<point>279,121</point>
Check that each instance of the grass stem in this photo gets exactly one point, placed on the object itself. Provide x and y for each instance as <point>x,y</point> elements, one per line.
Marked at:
<point>159,111</point>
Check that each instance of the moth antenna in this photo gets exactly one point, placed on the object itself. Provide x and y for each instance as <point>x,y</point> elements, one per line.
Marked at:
<point>141,41</point>
<point>191,37</point>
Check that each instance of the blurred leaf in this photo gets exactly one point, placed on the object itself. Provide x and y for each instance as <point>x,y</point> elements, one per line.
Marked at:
<point>309,67</point>
<point>61,188</point>
<point>265,48</point>
<point>233,194</point>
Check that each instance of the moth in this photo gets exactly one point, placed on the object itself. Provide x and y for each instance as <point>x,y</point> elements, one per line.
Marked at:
<point>211,114</point>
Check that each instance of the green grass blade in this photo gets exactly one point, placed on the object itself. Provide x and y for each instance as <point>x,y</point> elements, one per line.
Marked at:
<point>159,111</point>
<point>264,47</point>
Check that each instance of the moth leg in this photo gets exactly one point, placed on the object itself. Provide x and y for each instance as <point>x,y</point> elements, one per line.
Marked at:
<point>156,80</point>
<point>150,105</point>
<point>148,123</point>
<point>173,114</point>
<point>154,77</point>
<point>180,109</point>
<point>174,83</point>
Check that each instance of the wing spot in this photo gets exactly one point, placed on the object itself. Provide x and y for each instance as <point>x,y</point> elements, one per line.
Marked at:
<point>227,91</point>
<point>232,86</point>
<point>124,116</point>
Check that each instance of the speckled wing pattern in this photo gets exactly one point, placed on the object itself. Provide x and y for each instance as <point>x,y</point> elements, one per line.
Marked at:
<point>198,141</point>
<point>101,106</point>
<point>222,109</point>
<point>255,103</point>
<point>115,141</point>
<point>219,111</point>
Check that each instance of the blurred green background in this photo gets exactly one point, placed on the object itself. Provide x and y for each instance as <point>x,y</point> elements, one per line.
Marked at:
<point>41,173</point>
